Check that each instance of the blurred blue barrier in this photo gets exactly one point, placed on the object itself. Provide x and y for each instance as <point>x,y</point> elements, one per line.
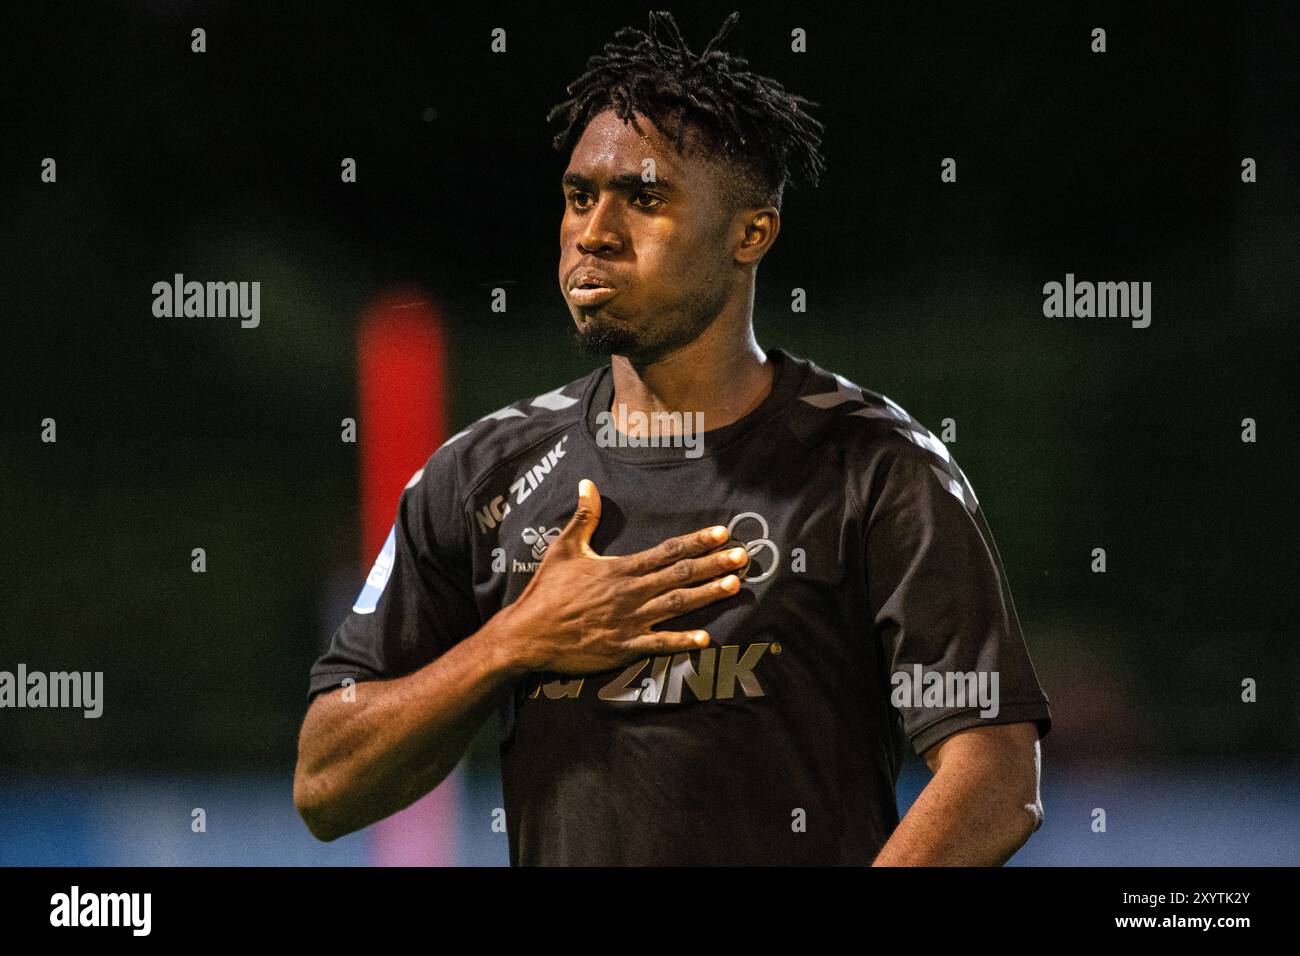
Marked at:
<point>1156,814</point>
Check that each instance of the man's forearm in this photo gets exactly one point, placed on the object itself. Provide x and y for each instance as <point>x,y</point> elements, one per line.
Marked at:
<point>979,808</point>
<point>362,760</point>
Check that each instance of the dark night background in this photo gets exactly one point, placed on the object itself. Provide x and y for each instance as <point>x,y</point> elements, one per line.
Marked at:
<point>1076,433</point>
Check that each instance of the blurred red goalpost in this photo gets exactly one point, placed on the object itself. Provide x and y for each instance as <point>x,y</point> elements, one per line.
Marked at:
<point>402,417</point>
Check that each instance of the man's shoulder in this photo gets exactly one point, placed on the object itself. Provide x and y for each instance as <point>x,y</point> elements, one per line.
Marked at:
<point>870,433</point>
<point>501,436</point>
<point>832,407</point>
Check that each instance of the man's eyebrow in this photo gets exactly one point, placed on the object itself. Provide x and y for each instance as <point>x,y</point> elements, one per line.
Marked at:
<point>625,182</point>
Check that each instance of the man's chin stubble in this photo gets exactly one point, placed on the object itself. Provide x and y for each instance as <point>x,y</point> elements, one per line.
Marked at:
<point>605,337</point>
<point>600,339</point>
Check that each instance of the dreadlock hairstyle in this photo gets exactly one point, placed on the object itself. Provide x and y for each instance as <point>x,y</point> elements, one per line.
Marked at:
<point>761,130</point>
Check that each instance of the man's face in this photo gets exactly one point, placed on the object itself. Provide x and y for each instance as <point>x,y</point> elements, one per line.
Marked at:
<point>645,265</point>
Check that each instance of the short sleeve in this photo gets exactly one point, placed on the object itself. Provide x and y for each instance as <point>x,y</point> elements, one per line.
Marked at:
<point>940,602</point>
<point>418,599</point>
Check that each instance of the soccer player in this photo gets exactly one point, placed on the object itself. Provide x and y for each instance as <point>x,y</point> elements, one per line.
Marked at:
<point>715,652</point>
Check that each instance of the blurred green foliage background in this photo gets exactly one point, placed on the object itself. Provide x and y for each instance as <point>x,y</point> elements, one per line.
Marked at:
<point>1076,433</point>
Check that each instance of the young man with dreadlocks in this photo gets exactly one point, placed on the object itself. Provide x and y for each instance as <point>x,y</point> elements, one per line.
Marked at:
<point>717,657</point>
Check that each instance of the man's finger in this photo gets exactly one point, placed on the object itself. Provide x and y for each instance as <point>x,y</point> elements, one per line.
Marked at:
<point>674,549</point>
<point>577,533</point>
<point>668,642</point>
<point>678,602</point>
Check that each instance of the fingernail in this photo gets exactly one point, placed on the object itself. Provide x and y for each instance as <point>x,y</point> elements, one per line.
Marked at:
<point>718,533</point>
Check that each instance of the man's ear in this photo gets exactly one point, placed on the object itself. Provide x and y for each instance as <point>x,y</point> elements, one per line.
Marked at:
<point>759,228</point>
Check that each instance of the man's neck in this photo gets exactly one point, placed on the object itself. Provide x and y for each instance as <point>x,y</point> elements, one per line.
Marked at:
<point>724,382</point>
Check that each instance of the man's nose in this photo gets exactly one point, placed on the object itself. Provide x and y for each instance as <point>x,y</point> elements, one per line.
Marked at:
<point>602,229</point>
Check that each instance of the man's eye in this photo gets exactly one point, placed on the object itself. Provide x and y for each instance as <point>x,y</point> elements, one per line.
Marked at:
<point>575,198</point>
<point>657,202</point>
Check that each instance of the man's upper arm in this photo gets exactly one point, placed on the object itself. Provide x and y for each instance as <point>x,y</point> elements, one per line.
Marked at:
<point>940,602</point>
<point>1018,743</point>
<point>418,599</point>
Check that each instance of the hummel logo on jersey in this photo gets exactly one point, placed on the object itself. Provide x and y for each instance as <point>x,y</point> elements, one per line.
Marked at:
<point>492,513</point>
<point>540,539</point>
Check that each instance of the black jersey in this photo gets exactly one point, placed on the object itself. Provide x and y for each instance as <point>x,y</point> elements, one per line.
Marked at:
<point>873,579</point>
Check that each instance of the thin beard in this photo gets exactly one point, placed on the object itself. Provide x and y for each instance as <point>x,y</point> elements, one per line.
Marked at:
<point>603,341</point>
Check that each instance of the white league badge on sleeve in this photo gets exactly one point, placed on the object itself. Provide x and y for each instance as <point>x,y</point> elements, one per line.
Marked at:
<point>378,576</point>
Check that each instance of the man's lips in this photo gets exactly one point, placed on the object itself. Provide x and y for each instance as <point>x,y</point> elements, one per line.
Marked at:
<point>590,287</point>
<point>596,295</point>
<point>589,276</point>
